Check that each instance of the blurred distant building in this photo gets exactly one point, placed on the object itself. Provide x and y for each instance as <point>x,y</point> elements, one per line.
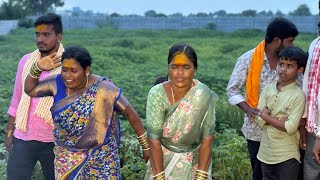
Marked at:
<point>7,25</point>
<point>79,19</point>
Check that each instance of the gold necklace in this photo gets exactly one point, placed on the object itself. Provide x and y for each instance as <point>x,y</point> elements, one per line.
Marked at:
<point>172,94</point>
<point>68,91</point>
<point>174,101</point>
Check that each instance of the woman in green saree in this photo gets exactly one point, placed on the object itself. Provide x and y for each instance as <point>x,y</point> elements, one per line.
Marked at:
<point>84,112</point>
<point>180,121</point>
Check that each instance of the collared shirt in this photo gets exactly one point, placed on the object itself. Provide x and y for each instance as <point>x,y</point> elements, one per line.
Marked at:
<point>237,82</point>
<point>278,146</point>
<point>37,129</point>
<point>306,80</point>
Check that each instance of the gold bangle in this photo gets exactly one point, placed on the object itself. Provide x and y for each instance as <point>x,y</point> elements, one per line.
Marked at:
<point>145,148</point>
<point>36,65</point>
<point>200,171</point>
<point>201,175</point>
<point>145,145</point>
<point>200,178</point>
<point>35,72</point>
<point>143,141</point>
<point>142,135</point>
<point>9,132</point>
<point>159,176</point>
<point>33,76</point>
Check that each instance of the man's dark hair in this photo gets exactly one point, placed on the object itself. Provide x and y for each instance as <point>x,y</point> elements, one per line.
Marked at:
<point>50,19</point>
<point>295,54</point>
<point>282,28</point>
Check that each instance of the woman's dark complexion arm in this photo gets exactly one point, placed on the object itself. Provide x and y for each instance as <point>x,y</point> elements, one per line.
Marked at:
<point>205,153</point>
<point>46,63</point>
<point>156,156</point>
<point>136,125</point>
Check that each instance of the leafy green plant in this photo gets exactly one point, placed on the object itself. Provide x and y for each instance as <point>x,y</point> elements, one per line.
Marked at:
<point>133,59</point>
<point>124,43</point>
<point>3,162</point>
<point>230,157</point>
<point>230,47</point>
<point>37,173</point>
<point>132,165</point>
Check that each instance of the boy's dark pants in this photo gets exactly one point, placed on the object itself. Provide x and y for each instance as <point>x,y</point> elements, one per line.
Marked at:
<point>287,170</point>
<point>253,148</point>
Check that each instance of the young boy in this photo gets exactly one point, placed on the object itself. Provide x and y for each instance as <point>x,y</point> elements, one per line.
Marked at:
<point>282,105</point>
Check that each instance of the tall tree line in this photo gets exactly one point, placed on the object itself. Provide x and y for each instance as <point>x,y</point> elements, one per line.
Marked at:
<point>16,9</point>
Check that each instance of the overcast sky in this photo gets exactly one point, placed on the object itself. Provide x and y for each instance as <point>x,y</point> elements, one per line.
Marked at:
<point>125,7</point>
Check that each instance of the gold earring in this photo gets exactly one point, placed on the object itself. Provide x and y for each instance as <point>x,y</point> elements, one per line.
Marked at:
<point>87,80</point>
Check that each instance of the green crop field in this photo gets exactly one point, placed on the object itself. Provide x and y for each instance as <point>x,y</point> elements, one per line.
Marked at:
<point>133,60</point>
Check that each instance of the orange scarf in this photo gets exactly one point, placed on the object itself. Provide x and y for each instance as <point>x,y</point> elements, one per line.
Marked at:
<point>253,79</point>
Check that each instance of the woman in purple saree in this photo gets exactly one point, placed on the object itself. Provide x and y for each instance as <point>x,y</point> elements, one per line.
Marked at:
<point>84,113</point>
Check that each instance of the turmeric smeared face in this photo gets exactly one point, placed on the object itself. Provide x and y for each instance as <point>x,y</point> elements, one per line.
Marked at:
<point>41,28</point>
<point>180,59</point>
<point>67,64</point>
<point>73,75</point>
<point>181,70</point>
<point>46,38</point>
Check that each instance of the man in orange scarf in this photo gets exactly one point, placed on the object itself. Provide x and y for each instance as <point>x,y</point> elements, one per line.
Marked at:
<point>253,70</point>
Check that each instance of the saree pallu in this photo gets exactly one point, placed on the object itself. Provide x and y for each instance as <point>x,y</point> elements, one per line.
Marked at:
<point>87,132</point>
<point>181,128</point>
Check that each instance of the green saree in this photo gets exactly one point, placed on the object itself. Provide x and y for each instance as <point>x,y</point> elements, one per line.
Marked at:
<point>180,127</point>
